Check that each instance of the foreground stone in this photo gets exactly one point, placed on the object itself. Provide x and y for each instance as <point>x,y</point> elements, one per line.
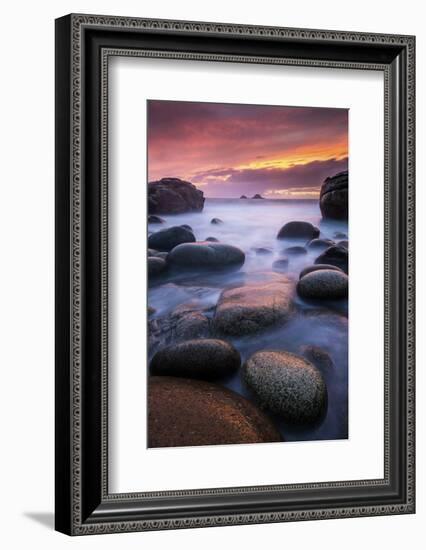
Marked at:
<point>298,230</point>
<point>323,284</point>
<point>254,307</point>
<point>206,359</point>
<point>174,196</point>
<point>166,239</point>
<point>287,385</point>
<point>335,255</point>
<point>318,267</point>
<point>334,197</point>
<point>185,412</point>
<point>207,255</point>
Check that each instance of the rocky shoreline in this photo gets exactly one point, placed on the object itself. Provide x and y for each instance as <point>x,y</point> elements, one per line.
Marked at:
<point>194,349</point>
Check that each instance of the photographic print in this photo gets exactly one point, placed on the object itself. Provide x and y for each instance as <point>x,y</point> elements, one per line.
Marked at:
<point>247,273</point>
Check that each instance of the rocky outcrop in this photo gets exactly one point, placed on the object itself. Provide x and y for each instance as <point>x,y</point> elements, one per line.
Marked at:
<point>243,197</point>
<point>205,359</point>
<point>166,239</point>
<point>334,197</point>
<point>257,196</point>
<point>174,196</point>
<point>254,307</point>
<point>207,255</point>
<point>298,230</point>
<point>185,412</point>
<point>287,385</point>
<point>324,284</point>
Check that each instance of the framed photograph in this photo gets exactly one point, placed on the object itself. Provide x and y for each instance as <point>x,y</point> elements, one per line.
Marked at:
<point>234,274</point>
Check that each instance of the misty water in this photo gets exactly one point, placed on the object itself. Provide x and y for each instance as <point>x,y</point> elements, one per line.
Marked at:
<point>251,224</point>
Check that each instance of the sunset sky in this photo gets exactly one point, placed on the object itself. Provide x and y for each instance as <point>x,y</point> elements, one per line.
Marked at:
<point>228,150</point>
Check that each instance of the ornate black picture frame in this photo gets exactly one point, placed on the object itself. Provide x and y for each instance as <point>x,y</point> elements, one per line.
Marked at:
<point>83,45</point>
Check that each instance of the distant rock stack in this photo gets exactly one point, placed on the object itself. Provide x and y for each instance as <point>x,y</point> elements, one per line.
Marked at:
<point>334,197</point>
<point>174,196</point>
<point>243,197</point>
<point>257,196</point>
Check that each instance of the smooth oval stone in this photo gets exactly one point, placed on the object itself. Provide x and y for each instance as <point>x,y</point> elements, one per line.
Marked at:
<point>318,267</point>
<point>166,239</point>
<point>280,265</point>
<point>298,230</point>
<point>155,219</point>
<point>324,284</point>
<point>212,240</point>
<point>335,255</point>
<point>184,412</point>
<point>216,221</point>
<point>294,251</point>
<point>320,244</point>
<point>207,255</point>
<point>155,266</point>
<point>254,307</point>
<point>287,385</point>
<point>206,359</point>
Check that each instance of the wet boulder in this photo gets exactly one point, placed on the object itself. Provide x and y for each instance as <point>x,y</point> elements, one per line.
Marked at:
<point>205,359</point>
<point>185,412</point>
<point>323,284</point>
<point>254,307</point>
<point>335,255</point>
<point>287,385</point>
<point>207,255</point>
<point>334,197</point>
<point>298,230</point>
<point>318,267</point>
<point>166,239</point>
<point>174,196</point>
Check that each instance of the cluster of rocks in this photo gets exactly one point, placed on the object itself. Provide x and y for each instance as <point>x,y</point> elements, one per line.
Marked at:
<point>191,349</point>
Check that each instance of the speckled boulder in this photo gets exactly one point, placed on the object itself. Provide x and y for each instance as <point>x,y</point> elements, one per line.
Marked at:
<point>287,385</point>
<point>207,255</point>
<point>298,230</point>
<point>318,267</point>
<point>185,412</point>
<point>324,284</point>
<point>206,359</point>
<point>166,239</point>
<point>254,307</point>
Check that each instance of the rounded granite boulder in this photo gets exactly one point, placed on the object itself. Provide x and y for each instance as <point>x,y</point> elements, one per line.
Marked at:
<point>206,359</point>
<point>323,284</point>
<point>318,267</point>
<point>298,230</point>
<point>184,412</point>
<point>207,255</point>
<point>287,385</point>
<point>335,255</point>
<point>254,307</point>
<point>166,239</point>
